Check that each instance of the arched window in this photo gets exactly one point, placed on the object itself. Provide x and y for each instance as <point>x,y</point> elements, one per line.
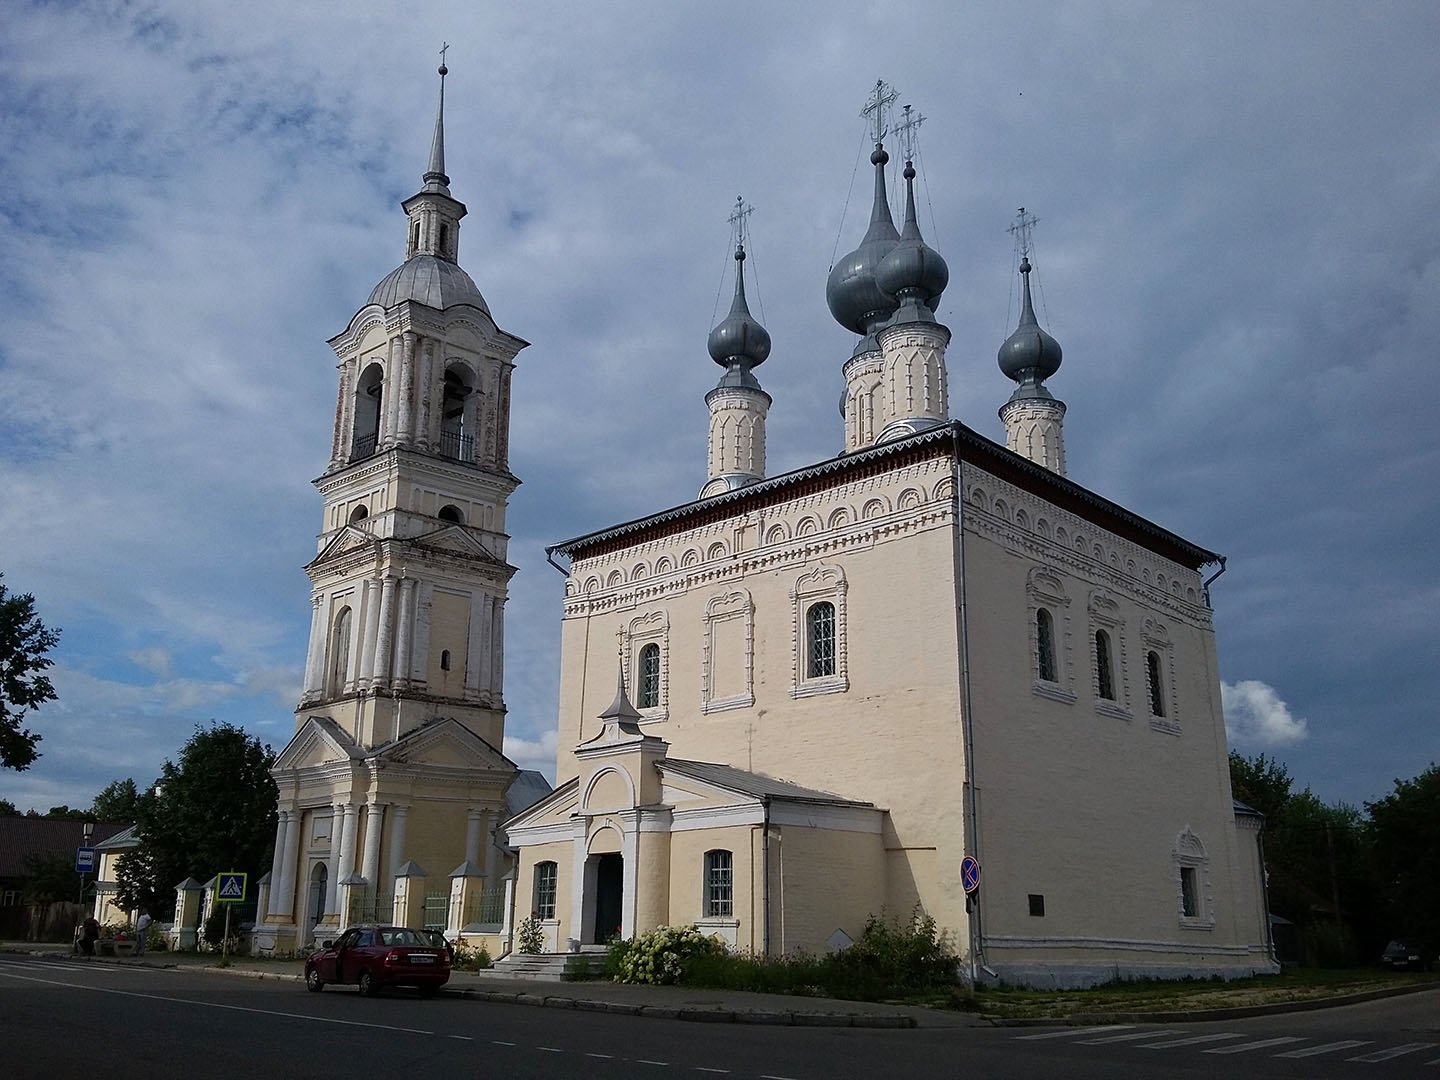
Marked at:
<point>719,884</point>
<point>451,513</point>
<point>360,513</point>
<point>1152,676</point>
<point>820,640</point>
<point>366,426</point>
<point>1045,644</point>
<point>443,249</point>
<point>456,441</point>
<point>340,653</point>
<point>444,659</point>
<point>648,683</point>
<point>1104,668</point>
<point>546,876</point>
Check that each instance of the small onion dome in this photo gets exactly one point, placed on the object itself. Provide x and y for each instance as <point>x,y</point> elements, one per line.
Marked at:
<point>739,337</point>
<point>1029,355</point>
<point>913,268</point>
<point>851,292</point>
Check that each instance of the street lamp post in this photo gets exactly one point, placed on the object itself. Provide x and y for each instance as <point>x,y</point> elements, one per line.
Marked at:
<point>87,830</point>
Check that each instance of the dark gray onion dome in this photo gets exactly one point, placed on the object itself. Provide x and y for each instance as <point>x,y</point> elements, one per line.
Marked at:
<point>739,339</point>
<point>913,268</point>
<point>1029,355</point>
<point>854,298</point>
<point>428,280</point>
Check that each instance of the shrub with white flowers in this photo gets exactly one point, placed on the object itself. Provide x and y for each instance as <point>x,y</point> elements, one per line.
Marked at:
<point>659,956</point>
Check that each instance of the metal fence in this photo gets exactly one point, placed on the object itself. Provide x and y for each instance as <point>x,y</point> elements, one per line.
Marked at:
<point>436,914</point>
<point>369,906</point>
<point>487,908</point>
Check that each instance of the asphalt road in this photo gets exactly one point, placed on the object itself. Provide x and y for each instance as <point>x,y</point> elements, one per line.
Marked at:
<point>63,1018</point>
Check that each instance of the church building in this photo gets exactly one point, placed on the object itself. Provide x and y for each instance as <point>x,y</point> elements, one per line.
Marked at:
<point>394,785</point>
<point>837,684</point>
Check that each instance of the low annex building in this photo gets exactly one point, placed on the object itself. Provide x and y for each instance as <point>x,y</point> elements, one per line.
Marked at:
<point>837,683</point>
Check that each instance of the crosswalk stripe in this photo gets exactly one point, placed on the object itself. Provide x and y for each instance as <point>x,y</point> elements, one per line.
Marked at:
<point>1195,1040</point>
<point>1131,1037</point>
<point>1070,1033</point>
<point>1393,1052</point>
<point>1328,1048</point>
<point>1263,1044</point>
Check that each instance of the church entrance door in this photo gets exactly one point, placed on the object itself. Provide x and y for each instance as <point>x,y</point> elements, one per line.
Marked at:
<point>609,893</point>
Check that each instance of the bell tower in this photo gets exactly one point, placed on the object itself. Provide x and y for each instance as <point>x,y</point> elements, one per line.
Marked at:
<point>411,576</point>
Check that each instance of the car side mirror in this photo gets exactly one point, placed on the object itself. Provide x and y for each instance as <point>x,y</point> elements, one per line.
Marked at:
<point>327,944</point>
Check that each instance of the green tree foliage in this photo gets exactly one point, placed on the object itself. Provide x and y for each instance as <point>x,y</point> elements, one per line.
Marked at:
<point>50,879</point>
<point>24,641</point>
<point>64,813</point>
<point>214,810</point>
<point>1405,834</point>
<point>116,801</point>
<point>8,809</point>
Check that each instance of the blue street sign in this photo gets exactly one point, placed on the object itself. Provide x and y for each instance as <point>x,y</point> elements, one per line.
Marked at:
<point>85,860</point>
<point>230,888</point>
<point>970,873</point>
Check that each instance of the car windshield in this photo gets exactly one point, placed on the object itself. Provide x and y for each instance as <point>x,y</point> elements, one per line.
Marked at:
<point>400,937</point>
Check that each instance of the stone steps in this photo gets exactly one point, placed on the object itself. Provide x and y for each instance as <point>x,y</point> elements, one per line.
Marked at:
<point>544,967</point>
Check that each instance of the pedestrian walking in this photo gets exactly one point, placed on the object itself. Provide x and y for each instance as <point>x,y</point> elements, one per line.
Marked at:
<point>142,930</point>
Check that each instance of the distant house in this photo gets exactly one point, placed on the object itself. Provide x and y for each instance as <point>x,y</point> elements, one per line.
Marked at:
<point>107,854</point>
<point>22,838</point>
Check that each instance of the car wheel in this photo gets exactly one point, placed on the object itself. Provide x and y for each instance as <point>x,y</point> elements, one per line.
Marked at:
<point>429,991</point>
<point>368,986</point>
<point>313,982</point>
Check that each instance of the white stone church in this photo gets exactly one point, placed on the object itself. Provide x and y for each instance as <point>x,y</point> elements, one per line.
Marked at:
<point>834,684</point>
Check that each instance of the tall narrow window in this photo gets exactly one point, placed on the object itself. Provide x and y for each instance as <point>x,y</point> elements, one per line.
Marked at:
<point>340,653</point>
<point>369,391</point>
<point>1045,644</point>
<point>648,683</point>
<point>1152,675</point>
<point>1189,892</point>
<point>719,884</point>
<point>545,878</point>
<point>820,640</point>
<point>1104,668</point>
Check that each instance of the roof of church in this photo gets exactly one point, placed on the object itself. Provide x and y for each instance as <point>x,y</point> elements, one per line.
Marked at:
<point>967,443</point>
<point>428,280</point>
<point>750,783</point>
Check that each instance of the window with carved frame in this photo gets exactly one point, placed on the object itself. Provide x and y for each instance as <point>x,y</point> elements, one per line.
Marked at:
<point>820,632</point>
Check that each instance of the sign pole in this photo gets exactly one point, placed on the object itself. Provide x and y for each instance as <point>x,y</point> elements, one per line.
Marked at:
<point>225,945</point>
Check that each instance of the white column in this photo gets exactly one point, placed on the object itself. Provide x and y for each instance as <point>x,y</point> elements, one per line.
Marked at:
<point>349,372</point>
<point>369,619</point>
<point>474,653</point>
<point>497,650</point>
<point>398,813</point>
<point>423,437</point>
<point>385,635</point>
<point>474,818</point>
<point>277,882</point>
<point>484,657</point>
<point>332,864</point>
<point>630,876</point>
<point>404,632</point>
<point>420,649</point>
<point>347,845</point>
<point>315,658</point>
<point>374,818</point>
<point>405,427</point>
<point>286,904</point>
<point>338,447</point>
<point>390,418</point>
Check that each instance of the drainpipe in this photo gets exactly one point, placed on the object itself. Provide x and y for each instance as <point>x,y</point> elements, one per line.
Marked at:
<point>765,873</point>
<point>1265,896</point>
<point>1205,585</point>
<point>550,558</point>
<point>967,725</point>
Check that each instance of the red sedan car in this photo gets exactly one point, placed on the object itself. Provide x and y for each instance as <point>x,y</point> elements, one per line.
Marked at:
<point>376,956</point>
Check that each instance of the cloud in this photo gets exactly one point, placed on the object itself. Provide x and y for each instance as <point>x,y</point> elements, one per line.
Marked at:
<point>533,753</point>
<point>1255,715</point>
<point>155,660</point>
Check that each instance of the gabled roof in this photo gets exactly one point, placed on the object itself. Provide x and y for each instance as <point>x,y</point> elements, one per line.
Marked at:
<point>756,785</point>
<point>125,838</point>
<point>21,837</point>
<point>528,788</point>
<point>965,443</point>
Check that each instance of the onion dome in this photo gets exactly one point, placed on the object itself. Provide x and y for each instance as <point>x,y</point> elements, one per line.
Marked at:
<point>1029,355</point>
<point>851,291</point>
<point>913,269</point>
<point>739,340</point>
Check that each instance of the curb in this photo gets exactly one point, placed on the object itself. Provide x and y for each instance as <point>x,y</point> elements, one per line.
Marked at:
<point>1196,1016</point>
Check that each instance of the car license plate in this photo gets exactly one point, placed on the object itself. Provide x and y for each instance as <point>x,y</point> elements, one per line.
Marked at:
<point>422,959</point>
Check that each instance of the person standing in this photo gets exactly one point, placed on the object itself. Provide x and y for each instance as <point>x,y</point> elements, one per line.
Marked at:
<point>142,930</point>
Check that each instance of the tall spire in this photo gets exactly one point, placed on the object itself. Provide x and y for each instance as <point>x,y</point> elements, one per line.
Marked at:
<point>1033,416</point>
<point>435,179</point>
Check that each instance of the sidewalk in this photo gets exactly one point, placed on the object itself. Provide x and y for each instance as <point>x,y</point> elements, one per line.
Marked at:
<point>659,1002</point>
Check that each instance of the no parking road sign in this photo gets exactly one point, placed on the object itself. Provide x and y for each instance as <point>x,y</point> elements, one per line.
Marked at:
<point>970,874</point>
<point>230,888</point>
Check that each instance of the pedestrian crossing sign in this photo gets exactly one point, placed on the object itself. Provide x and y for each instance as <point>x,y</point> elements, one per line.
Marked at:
<point>230,888</point>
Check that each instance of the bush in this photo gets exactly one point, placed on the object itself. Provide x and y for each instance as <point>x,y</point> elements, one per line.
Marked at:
<point>471,957</point>
<point>532,936</point>
<point>213,933</point>
<point>661,956</point>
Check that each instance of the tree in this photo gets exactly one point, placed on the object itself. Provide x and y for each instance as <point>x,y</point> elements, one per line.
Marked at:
<point>24,641</point>
<point>64,813</point>
<point>1405,837</point>
<point>116,801</point>
<point>8,809</point>
<point>214,810</point>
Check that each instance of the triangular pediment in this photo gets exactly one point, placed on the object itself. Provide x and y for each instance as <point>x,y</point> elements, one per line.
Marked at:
<point>447,744</point>
<point>456,539</point>
<point>319,742</point>
<point>347,541</point>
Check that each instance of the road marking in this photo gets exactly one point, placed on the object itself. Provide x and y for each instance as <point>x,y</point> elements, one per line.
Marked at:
<point>1245,1048</point>
<point>1393,1052</point>
<point>1070,1033</point>
<point>498,1042</point>
<point>216,1005</point>
<point>702,1068</point>
<point>772,1076</point>
<point>662,1064</point>
<point>1327,1048</point>
<point>462,1038</point>
<point>1131,1037</point>
<point>607,1057</point>
<point>1195,1040</point>
<point>550,1049</point>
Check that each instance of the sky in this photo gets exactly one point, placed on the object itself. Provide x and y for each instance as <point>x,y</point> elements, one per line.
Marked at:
<point>1238,247</point>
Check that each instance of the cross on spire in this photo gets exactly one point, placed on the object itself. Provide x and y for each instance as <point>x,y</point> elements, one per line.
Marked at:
<point>738,224</point>
<point>908,128</point>
<point>1025,223</point>
<point>881,98</point>
<point>444,47</point>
